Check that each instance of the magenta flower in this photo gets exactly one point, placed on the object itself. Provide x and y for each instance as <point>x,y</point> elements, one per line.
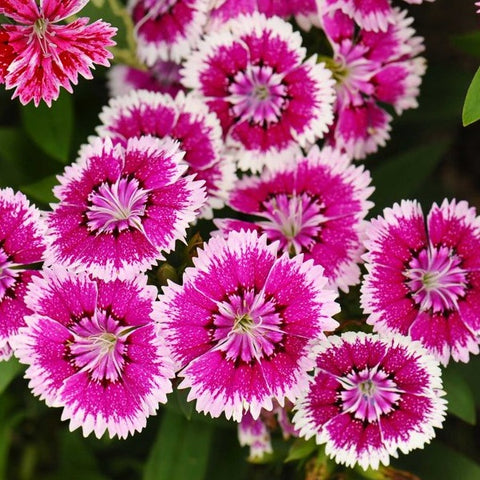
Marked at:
<point>93,348</point>
<point>305,11</point>
<point>253,433</point>
<point>186,119</point>
<point>22,243</point>
<point>163,77</point>
<point>45,55</point>
<point>370,398</point>
<point>269,99</point>
<point>242,325</point>
<point>423,277</point>
<point>371,69</point>
<point>315,206</point>
<point>167,29</point>
<point>373,15</point>
<point>121,207</point>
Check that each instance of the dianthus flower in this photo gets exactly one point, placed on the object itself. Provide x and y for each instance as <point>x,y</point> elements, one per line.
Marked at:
<point>43,55</point>
<point>22,243</point>
<point>269,99</point>
<point>371,68</point>
<point>370,398</point>
<point>185,119</point>
<point>315,206</point>
<point>423,276</point>
<point>305,11</point>
<point>163,77</point>
<point>242,326</point>
<point>167,29</point>
<point>253,433</point>
<point>374,15</point>
<point>121,207</point>
<point>93,348</point>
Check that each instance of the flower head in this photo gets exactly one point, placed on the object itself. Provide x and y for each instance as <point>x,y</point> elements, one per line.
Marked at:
<point>222,11</point>
<point>371,69</point>
<point>44,55</point>
<point>93,348</point>
<point>22,243</point>
<point>185,119</point>
<point>253,74</point>
<point>370,398</point>
<point>423,276</point>
<point>242,325</point>
<point>163,77</point>
<point>121,207</point>
<point>167,29</point>
<point>315,206</point>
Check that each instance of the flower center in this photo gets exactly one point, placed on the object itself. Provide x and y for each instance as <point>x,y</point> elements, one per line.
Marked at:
<point>369,394</point>
<point>257,95</point>
<point>40,27</point>
<point>436,279</point>
<point>247,327</point>
<point>99,346</point>
<point>7,274</point>
<point>294,220</point>
<point>118,206</point>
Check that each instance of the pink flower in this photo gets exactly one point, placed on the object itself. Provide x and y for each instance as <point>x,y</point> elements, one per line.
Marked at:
<point>45,56</point>
<point>315,206</point>
<point>370,398</point>
<point>423,278</point>
<point>222,11</point>
<point>121,207</point>
<point>373,15</point>
<point>184,118</point>
<point>371,69</point>
<point>163,77</point>
<point>242,325</point>
<point>253,74</point>
<point>22,243</point>
<point>167,29</point>
<point>253,433</point>
<point>93,348</point>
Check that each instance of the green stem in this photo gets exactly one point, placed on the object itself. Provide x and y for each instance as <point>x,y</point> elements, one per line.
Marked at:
<point>126,55</point>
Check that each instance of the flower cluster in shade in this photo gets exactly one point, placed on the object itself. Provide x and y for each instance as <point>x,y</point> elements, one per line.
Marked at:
<point>38,55</point>
<point>371,68</point>
<point>232,111</point>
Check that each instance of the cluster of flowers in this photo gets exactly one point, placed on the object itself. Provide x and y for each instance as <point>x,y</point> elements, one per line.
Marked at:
<point>234,92</point>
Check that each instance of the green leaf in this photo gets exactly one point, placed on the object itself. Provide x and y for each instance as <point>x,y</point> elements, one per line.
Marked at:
<point>461,402</point>
<point>8,371</point>
<point>51,127</point>
<point>439,462</point>
<point>180,451</point>
<point>41,191</point>
<point>468,42</point>
<point>301,449</point>
<point>402,176</point>
<point>471,107</point>
<point>185,406</point>
<point>77,461</point>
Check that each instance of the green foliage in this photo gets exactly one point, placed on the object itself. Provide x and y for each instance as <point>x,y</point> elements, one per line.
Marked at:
<point>459,395</point>
<point>471,108</point>
<point>181,449</point>
<point>402,176</point>
<point>51,128</point>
